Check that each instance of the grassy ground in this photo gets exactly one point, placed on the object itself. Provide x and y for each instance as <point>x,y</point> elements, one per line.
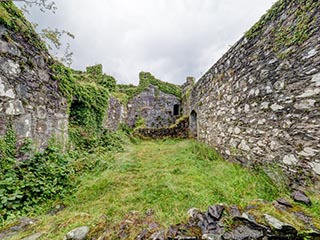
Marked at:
<point>169,177</point>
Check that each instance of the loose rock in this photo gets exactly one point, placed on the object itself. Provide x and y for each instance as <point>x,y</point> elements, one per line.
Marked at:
<point>299,196</point>
<point>79,233</point>
<point>216,211</point>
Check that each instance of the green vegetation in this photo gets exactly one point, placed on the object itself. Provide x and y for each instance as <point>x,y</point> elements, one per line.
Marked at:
<point>290,35</point>
<point>168,176</point>
<point>47,175</point>
<point>287,36</point>
<point>87,94</point>
<point>30,182</point>
<point>13,18</point>
<point>50,174</point>
<point>126,92</point>
<point>272,14</point>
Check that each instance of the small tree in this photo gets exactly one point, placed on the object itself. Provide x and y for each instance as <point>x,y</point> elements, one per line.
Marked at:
<point>42,4</point>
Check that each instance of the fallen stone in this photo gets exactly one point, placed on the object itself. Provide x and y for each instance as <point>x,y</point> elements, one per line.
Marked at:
<point>143,234</point>
<point>33,237</point>
<point>79,233</point>
<point>56,209</point>
<point>284,202</point>
<point>243,232</point>
<point>158,236</point>
<point>234,211</point>
<point>192,212</point>
<point>278,225</point>
<point>299,196</point>
<point>211,237</point>
<point>216,211</point>
<point>21,225</point>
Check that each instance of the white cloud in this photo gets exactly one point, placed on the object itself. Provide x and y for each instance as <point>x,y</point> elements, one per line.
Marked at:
<point>170,38</point>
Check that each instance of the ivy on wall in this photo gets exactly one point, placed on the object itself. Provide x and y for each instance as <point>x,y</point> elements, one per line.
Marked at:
<point>303,12</point>
<point>12,18</point>
<point>126,92</point>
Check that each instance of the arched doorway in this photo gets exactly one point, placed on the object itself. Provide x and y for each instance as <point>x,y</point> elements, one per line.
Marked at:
<point>193,124</point>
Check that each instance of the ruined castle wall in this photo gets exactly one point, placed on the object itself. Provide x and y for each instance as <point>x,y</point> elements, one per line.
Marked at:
<point>116,114</point>
<point>260,103</point>
<point>154,107</point>
<point>29,98</point>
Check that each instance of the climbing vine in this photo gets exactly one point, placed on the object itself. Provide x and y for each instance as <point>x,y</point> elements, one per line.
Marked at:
<point>297,32</point>
<point>126,92</point>
<point>12,18</point>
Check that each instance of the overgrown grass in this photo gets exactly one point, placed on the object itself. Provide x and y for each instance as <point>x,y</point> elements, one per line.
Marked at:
<point>168,176</point>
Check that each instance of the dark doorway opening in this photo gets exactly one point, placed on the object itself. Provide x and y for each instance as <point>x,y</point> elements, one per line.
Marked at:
<point>193,123</point>
<point>176,109</point>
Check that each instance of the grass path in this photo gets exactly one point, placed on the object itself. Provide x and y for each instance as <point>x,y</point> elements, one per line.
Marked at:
<point>169,177</point>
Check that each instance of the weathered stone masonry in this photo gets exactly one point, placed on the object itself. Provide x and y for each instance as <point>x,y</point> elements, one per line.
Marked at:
<point>29,98</point>
<point>260,105</point>
<point>156,108</point>
<point>116,114</point>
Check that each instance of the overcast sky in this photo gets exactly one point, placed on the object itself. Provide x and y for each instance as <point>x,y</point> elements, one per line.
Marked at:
<point>171,39</point>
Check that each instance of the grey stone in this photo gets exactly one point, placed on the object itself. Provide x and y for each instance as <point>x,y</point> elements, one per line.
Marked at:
<point>284,202</point>
<point>305,104</point>
<point>5,91</point>
<point>14,107</point>
<point>315,167</point>
<point>234,211</point>
<point>23,126</point>
<point>265,105</point>
<point>316,80</point>
<point>279,85</point>
<point>216,211</point>
<point>192,212</point>
<point>275,223</point>
<point>244,146</point>
<point>79,233</point>
<point>308,152</point>
<point>264,74</point>
<point>211,236</point>
<point>245,229</point>
<point>33,237</point>
<point>310,54</point>
<point>10,48</point>
<point>41,112</point>
<point>246,108</point>
<point>17,227</point>
<point>310,93</point>
<point>290,159</point>
<point>155,107</point>
<point>23,94</point>
<point>158,236</point>
<point>237,130</point>
<point>269,90</point>
<point>276,107</point>
<point>10,68</point>
<point>301,197</point>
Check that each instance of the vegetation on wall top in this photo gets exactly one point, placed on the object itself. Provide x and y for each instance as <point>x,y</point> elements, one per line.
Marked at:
<point>13,19</point>
<point>294,34</point>
<point>87,94</point>
<point>125,92</point>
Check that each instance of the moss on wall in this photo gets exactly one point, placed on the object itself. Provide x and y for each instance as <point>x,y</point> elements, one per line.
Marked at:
<point>87,95</point>
<point>126,92</point>
<point>287,36</point>
<point>13,19</point>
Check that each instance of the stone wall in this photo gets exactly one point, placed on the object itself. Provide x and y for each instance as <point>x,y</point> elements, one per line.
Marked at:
<point>178,130</point>
<point>30,100</point>
<point>116,114</point>
<point>154,107</point>
<point>186,91</point>
<point>260,103</point>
